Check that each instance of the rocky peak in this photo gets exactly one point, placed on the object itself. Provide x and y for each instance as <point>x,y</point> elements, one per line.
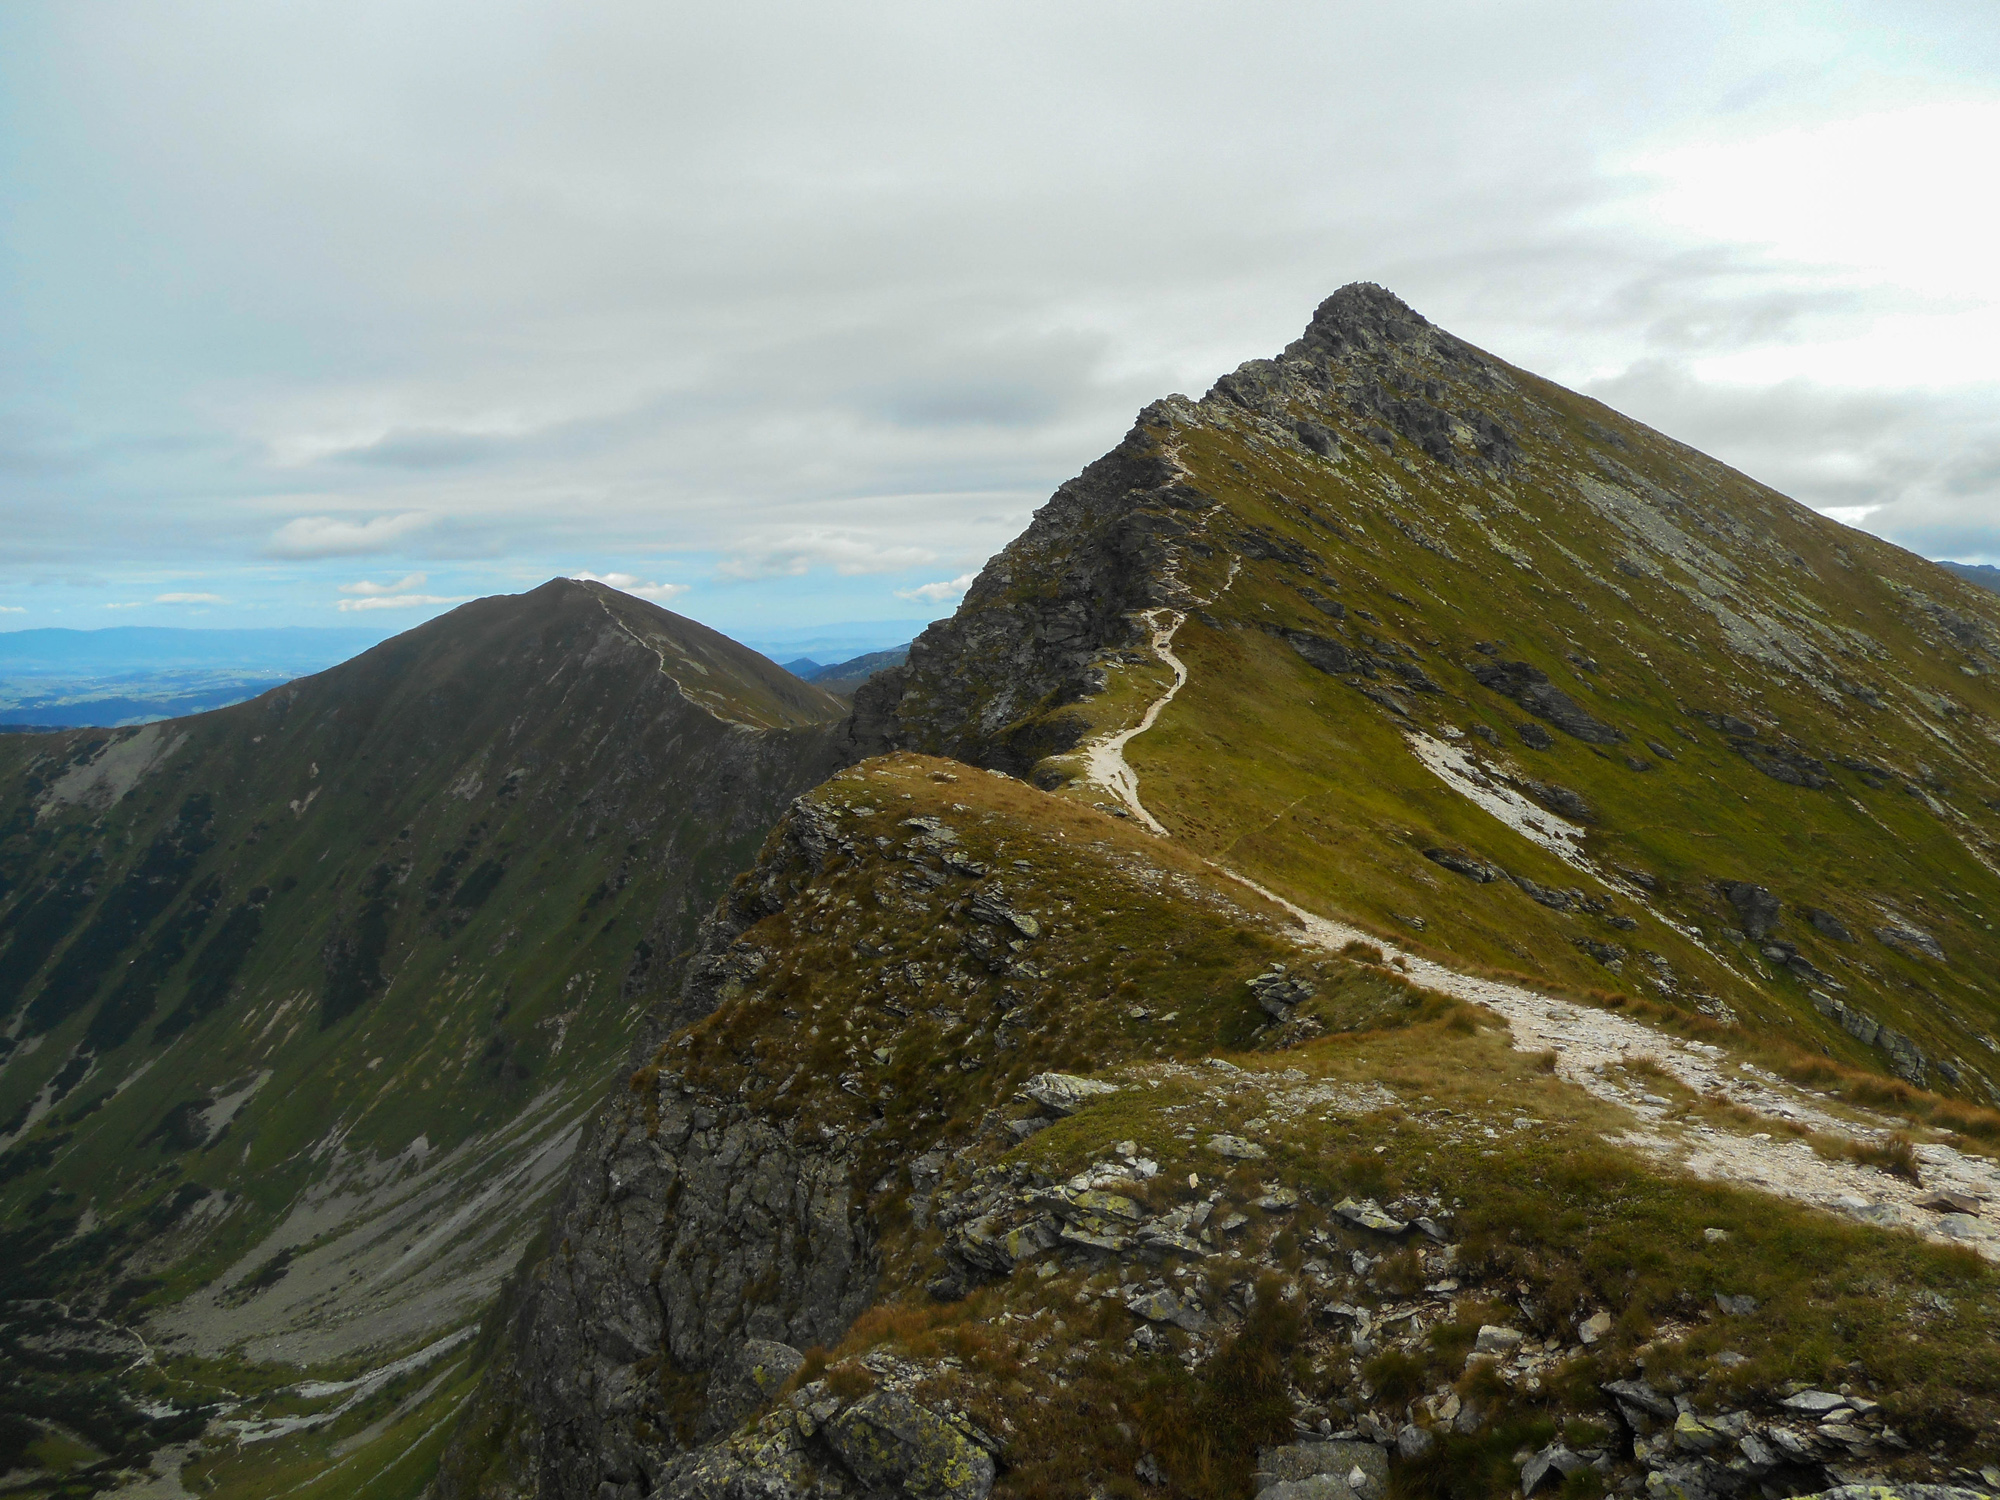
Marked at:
<point>1361,315</point>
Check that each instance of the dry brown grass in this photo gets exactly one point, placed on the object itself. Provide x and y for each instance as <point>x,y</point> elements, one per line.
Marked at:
<point>1874,1091</point>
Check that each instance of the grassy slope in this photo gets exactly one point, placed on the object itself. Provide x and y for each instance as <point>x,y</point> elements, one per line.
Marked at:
<point>1293,776</point>
<point>486,792</point>
<point>1143,965</point>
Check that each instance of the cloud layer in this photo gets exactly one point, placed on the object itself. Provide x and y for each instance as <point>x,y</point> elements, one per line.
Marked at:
<point>805,310</point>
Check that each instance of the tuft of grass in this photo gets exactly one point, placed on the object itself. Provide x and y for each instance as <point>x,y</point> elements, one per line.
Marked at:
<point>1397,1375</point>
<point>1895,1155</point>
<point>1206,1428</point>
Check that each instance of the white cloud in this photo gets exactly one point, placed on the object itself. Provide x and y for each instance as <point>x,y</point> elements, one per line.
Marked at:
<point>328,536</point>
<point>130,604</point>
<point>799,553</point>
<point>389,268</point>
<point>939,593</point>
<point>12,609</point>
<point>632,583</point>
<point>1849,515</point>
<point>401,601</point>
<point>376,590</point>
<point>189,599</point>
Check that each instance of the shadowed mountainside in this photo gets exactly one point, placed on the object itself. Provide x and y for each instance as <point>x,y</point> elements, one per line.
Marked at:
<point>304,1000</point>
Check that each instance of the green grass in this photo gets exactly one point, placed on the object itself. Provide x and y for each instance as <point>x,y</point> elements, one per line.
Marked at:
<point>1551,1222</point>
<point>1292,776</point>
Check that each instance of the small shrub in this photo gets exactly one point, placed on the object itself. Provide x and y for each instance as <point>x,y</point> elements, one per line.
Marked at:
<point>1451,1342</point>
<point>1896,1155</point>
<point>1206,1428</point>
<point>812,1367</point>
<point>1396,1374</point>
<point>849,1381</point>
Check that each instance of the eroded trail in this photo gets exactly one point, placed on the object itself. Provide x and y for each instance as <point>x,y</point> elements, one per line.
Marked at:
<point>1590,1045</point>
<point>1105,762</point>
<point>1104,758</point>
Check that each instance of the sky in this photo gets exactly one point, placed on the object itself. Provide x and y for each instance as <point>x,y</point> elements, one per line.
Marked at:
<point>789,316</point>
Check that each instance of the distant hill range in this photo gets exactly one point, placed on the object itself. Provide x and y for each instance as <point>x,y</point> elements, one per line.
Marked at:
<point>136,674</point>
<point>1983,574</point>
<point>845,676</point>
<point>133,648</point>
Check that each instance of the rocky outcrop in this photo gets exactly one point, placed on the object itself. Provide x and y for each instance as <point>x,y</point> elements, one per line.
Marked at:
<point>1530,687</point>
<point>988,685</point>
<point>693,1227</point>
<point>699,1245</point>
<point>1906,1058</point>
<point>820,1443</point>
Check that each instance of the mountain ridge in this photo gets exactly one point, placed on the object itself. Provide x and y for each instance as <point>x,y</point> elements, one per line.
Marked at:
<point>1175,1161</point>
<point>1048,667</point>
<point>1412,935</point>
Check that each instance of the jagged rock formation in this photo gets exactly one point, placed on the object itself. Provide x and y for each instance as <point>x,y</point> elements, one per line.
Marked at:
<point>989,685</point>
<point>692,1227</point>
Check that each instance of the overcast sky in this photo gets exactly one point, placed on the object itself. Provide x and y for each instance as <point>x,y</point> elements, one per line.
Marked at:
<point>790,315</point>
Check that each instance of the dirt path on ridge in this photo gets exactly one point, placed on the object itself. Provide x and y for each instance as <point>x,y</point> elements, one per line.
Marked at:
<point>1590,1044</point>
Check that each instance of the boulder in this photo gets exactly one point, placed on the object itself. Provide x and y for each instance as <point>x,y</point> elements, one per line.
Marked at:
<point>990,906</point>
<point>1907,939</point>
<point>1316,439</point>
<point>1064,1093</point>
<point>1530,687</point>
<point>1553,1461</point>
<point>1368,1214</point>
<point>768,1463</point>
<point>1331,1470</point>
<point>1637,1398</point>
<point>1756,908</point>
<point>1468,865</point>
<point>1324,652</point>
<point>1235,1148</point>
<point>1164,1307</point>
<point>1277,992</point>
<point>893,1445</point>
<point>1560,799</point>
<point>1815,1403</point>
<point>1784,763</point>
<point>1413,1441</point>
<point>749,1379</point>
